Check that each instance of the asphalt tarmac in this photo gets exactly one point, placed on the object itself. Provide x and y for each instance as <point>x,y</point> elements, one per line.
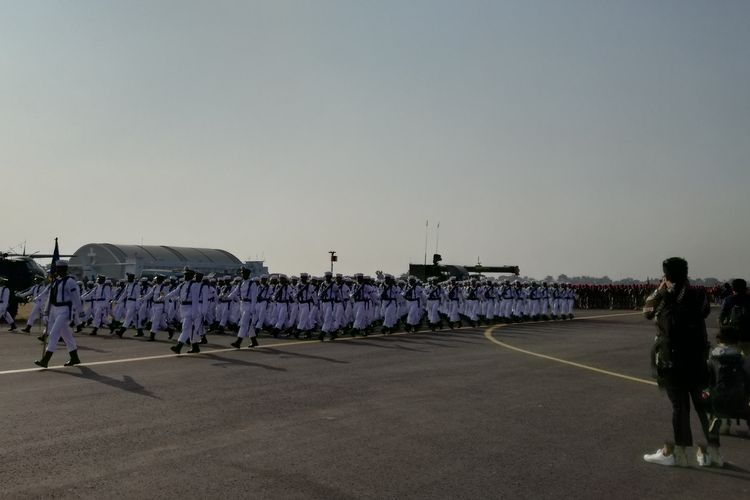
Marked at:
<point>453,414</point>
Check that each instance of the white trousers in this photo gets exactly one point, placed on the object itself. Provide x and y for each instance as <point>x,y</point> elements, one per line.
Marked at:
<point>59,321</point>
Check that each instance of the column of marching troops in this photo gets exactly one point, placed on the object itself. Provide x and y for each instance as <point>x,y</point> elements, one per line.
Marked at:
<point>304,306</point>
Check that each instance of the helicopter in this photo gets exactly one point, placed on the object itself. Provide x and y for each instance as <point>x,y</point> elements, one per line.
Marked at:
<point>21,271</point>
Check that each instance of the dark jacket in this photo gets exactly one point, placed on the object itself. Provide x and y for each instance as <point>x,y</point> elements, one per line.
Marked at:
<point>681,334</point>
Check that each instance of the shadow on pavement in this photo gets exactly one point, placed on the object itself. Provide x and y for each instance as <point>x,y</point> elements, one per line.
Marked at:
<point>223,362</point>
<point>379,341</point>
<point>728,470</point>
<point>424,341</point>
<point>270,350</point>
<point>92,349</point>
<point>127,383</point>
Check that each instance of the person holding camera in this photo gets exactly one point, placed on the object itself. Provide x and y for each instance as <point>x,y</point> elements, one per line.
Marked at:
<point>679,360</point>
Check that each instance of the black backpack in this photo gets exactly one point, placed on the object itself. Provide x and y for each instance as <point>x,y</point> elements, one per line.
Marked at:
<point>728,395</point>
<point>739,320</point>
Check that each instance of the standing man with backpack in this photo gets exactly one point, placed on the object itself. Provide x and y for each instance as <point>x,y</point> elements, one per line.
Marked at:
<point>735,314</point>
<point>679,358</point>
<point>726,395</point>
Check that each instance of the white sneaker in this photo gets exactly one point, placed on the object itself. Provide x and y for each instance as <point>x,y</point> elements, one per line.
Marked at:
<point>703,459</point>
<point>711,458</point>
<point>658,457</point>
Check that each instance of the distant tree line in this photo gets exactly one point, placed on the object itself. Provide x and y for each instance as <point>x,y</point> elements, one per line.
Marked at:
<point>606,280</point>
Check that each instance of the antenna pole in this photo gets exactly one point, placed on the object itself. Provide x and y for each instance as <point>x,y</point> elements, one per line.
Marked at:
<point>426,233</point>
<point>437,238</point>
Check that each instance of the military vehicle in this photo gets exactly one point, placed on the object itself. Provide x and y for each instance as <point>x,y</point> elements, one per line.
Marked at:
<point>445,271</point>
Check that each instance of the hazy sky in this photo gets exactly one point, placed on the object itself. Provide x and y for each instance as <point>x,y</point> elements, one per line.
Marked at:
<point>579,137</point>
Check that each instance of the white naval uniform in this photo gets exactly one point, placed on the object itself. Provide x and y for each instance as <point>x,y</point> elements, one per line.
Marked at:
<point>389,300</point>
<point>328,295</point>
<point>435,295</point>
<point>247,293</point>
<point>342,300</point>
<point>38,294</point>
<point>261,305</point>
<point>4,302</point>
<point>129,298</point>
<point>63,307</point>
<point>455,297</point>
<point>187,295</point>
<point>155,296</point>
<point>101,295</point>
<point>283,297</point>
<point>414,296</point>
<point>361,296</point>
<point>306,298</point>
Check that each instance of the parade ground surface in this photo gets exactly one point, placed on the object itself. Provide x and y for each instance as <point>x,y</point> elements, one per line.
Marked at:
<point>534,410</point>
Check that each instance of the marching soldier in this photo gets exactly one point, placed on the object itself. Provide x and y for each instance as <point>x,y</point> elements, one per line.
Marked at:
<point>389,299</point>
<point>328,295</point>
<point>455,299</point>
<point>414,296</point>
<point>64,308</point>
<point>129,298</point>
<point>247,292</point>
<point>361,296</point>
<point>435,295</point>
<point>265,292</point>
<point>101,295</point>
<point>37,293</point>
<point>156,296</point>
<point>4,303</point>
<point>306,299</point>
<point>283,296</point>
<point>188,295</point>
<point>341,301</point>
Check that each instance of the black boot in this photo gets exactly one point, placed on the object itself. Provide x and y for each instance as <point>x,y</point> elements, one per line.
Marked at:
<point>177,348</point>
<point>140,333</point>
<point>322,336</point>
<point>73,358</point>
<point>12,327</point>
<point>121,331</point>
<point>195,349</point>
<point>45,360</point>
<point>26,329</point>
<point>237,343</point>
<point>203,339</point>
<point>170,333</point>
<point>152,337</point>
<point>94,331</point>
<point>253,342</point>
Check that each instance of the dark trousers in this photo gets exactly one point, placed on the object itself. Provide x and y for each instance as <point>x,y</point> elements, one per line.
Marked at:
<point>680,396</point>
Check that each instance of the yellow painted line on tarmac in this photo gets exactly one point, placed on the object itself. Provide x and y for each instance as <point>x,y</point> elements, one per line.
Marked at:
<point>491,338</point>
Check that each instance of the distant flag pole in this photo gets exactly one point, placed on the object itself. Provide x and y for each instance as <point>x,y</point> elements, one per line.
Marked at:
<point>55,257</point>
